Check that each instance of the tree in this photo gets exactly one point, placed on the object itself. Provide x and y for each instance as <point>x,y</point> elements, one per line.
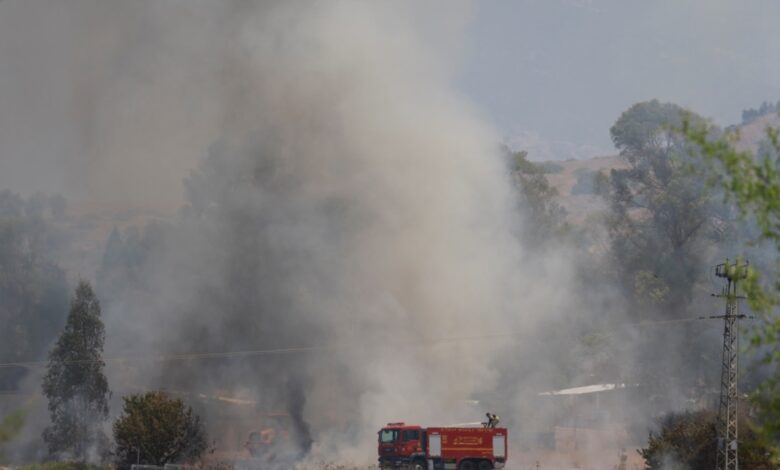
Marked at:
<point>544,216</point>
<point>157,429</point>
<point>659,208</point>
<point>688,441</point>
<point>662,226</point>
<point>10,426</point>
<point>33,289</point>
<point>74,383</point>
<point>753,182</point>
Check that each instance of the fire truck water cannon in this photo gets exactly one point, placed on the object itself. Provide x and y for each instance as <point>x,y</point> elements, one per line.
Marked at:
<point>413,447</point>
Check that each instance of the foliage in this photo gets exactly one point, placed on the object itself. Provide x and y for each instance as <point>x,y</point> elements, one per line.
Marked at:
<point>753,182</point>
<point>750,115</point>
<point>124,258</point>
<point>659,208</point>
<point>10,426</point>
<point>688,441</point>
<point>538,200</point>
<point>33,289</point>
<point>68,465</point>
<point>74,383</point>
<point>157,429</point>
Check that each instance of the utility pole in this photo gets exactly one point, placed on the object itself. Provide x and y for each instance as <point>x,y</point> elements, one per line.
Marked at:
<point>727,458</point>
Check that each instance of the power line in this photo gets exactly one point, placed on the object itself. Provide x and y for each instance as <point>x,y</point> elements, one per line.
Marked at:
<point>422,342</point>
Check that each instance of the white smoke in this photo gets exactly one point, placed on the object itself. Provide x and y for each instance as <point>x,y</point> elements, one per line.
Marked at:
<point>352,202</point>
<point>347,199</point>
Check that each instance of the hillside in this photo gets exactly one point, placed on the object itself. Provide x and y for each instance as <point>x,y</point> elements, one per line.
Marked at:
<point>573,178</point>
<point>87,231</point>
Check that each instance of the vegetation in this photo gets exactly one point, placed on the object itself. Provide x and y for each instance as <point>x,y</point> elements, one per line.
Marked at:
<point>33,291</point>
<point>10,426</point>
<point>659,208</point>
<point>74,384</point>
<point>123,260</point>
<point>65,466</point>
<point>545,217</point>
<point>665,227</point>
<point>157,429</point>
<point>688,441</point>
<point>753,182</point>
<point>750,115</point>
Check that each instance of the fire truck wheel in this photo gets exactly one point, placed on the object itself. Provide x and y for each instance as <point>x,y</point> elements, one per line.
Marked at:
<point>418,465</point>
<point>466,465</point>
<point>485,465</point>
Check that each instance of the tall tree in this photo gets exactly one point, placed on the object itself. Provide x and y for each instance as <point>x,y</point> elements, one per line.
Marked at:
<point>74,384</point>
<point>661,223</point>
<point>659,208</point>
<point>544,217</point>
<point>752,181</point>
<point>10,425</point>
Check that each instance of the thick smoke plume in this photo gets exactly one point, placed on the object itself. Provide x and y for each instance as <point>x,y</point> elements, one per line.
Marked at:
<point>350,203</point>
<point>340,202</point>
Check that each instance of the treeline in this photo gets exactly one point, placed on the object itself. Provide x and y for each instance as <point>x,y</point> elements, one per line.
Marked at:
<point>38,323</point>
<point>685,202</point>
<point>33,286</point>
<point>644,259</point>
<point>751,114</point>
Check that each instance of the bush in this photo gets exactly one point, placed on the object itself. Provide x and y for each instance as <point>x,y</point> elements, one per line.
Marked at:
<point>65,466</point>
<point>688,441</point>
<point>164,429</point>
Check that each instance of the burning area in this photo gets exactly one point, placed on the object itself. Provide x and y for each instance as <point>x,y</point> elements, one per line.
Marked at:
<point>300,229</point>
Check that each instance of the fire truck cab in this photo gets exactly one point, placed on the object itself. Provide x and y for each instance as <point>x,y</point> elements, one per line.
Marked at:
<point>413,447</point>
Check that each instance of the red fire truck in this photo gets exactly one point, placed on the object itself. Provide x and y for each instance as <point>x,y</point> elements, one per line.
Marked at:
<point>442,448</point>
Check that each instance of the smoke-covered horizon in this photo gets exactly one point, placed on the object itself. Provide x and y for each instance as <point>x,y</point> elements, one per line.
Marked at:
<point>341,193</point>
<point>330,189</point>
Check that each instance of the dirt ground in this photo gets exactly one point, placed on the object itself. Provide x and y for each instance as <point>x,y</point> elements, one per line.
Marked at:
<point>556,460</point>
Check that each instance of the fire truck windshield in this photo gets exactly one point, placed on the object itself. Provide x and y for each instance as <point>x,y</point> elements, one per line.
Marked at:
<point>388,435</point>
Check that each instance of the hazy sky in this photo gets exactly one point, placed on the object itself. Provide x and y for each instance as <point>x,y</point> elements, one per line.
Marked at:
<point>116,101</point>
<point>555,74</point>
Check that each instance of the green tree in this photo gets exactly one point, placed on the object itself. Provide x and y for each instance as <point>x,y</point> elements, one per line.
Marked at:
<point>544,216</point>
<point>74,383</point>
<point>157,429</point>
<point>688,441</point>
<point>10,426</point>
<point>659,208</point>
<point>752,180</point>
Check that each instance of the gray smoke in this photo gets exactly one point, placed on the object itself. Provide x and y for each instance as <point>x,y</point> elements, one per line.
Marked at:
<point>351,202</point>
<point>339,200</point>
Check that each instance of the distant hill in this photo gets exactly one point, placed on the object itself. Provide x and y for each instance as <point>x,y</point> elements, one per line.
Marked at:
<point>87,230</point>
<point>573,179</point>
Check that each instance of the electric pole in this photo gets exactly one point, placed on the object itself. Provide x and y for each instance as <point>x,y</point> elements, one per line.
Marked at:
<point>727,458</point>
